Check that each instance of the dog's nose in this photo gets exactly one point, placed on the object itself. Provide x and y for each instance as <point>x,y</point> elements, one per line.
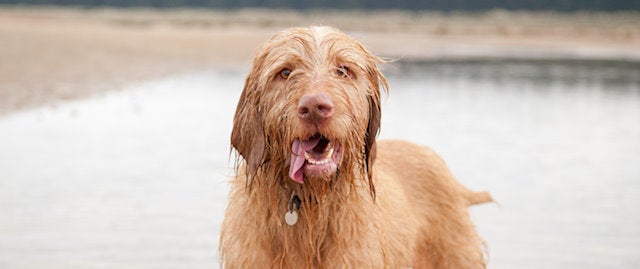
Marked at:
<point>315,108</point>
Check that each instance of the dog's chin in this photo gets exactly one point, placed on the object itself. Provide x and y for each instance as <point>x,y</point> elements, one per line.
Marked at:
<point>316,157</point>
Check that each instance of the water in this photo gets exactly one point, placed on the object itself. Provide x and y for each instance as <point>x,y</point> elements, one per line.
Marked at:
<point>556,143</point>
<point>137,178</point>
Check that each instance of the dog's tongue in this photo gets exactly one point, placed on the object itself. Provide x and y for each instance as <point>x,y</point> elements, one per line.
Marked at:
<point>297,157</point>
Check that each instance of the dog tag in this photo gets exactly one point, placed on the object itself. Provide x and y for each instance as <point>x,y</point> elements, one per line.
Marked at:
<point>291,217</point>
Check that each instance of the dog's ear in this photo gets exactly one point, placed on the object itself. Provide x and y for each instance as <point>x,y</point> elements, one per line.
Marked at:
<point>247,135</point>
<point>373,128</point>
<point>376,81</point>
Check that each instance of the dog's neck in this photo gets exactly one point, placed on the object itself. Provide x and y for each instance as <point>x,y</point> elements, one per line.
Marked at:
<point>332,220</point>
<point>325,209</point>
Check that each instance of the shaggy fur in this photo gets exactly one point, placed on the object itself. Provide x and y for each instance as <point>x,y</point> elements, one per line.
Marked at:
<point>390,204</point>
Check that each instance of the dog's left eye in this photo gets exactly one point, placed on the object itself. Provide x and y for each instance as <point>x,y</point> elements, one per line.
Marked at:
<point>343,71</point>
<point>284,73</point>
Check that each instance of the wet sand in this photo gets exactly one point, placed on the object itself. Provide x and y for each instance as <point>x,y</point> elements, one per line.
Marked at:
<point>53,54</point>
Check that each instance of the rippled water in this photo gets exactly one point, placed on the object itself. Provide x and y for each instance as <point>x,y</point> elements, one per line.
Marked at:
<point>137,178</point>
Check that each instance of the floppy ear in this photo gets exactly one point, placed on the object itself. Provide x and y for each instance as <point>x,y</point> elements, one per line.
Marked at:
<point>370,139</point>
<point>376,80</point>
<point>247,136</point>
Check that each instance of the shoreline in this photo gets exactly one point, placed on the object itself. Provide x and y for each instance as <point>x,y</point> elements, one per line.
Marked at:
<point>50,54</point>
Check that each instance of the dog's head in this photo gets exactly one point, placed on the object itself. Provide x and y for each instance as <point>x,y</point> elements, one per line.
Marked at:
<point>310,108</point>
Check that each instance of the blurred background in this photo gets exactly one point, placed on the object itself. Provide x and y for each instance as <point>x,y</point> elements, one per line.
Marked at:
<point>115,119</point>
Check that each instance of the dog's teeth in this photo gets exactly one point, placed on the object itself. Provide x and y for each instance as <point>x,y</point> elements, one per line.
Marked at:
<point>325,159</point>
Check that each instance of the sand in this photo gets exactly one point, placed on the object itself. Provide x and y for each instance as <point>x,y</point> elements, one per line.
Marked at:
<point>49,54</point>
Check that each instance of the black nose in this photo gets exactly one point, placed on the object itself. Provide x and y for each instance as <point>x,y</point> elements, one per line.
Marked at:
<point>315,108</point>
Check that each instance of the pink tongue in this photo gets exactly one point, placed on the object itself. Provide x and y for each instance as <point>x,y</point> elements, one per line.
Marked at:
<point>297,157</point>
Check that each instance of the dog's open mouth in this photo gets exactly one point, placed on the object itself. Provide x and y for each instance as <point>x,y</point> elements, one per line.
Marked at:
<point>316,156</point>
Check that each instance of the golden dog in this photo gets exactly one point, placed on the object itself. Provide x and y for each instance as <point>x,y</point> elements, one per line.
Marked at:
<point>313,187</point>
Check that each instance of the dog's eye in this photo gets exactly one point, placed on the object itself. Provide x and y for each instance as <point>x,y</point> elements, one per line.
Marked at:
<point>343,71</point>
<point>284,73</point>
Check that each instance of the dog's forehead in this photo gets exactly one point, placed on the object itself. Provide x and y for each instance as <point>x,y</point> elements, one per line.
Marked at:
<point>319,43</point>
<point>322,32</point>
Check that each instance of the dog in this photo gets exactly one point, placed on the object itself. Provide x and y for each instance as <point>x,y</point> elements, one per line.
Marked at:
<point>314,189</point>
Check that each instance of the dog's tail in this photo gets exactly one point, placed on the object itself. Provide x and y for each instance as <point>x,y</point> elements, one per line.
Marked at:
<point>474,198</point>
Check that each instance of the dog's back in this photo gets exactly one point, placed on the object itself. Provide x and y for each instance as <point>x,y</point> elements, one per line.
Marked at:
<point>437,202</point>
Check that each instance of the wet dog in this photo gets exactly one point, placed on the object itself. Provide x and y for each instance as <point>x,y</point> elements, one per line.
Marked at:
<point>314,189</point>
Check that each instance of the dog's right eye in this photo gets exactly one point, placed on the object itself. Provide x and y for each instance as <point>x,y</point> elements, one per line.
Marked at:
<point>284,73</point>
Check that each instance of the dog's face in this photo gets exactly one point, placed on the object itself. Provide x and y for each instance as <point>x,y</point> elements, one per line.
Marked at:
<point>310,106</point>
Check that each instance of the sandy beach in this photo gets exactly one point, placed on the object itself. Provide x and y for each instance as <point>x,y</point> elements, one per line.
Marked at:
<point>48,54</point>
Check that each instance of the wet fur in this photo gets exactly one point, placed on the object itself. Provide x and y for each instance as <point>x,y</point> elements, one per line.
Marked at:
<point>392,204</point>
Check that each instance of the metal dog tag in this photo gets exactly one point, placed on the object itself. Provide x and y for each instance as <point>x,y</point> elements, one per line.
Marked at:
<point>291,217</point>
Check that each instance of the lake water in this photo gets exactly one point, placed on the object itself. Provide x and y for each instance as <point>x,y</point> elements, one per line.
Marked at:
<point>137,178</point>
